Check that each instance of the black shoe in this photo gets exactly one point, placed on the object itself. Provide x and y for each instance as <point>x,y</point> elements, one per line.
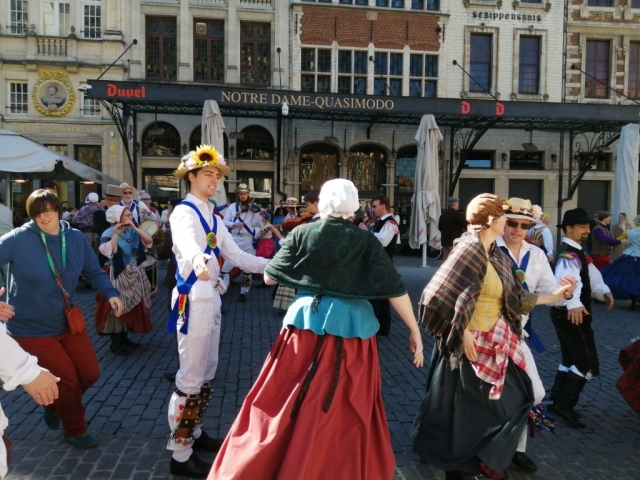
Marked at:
<point>192,468</point>
<point>119,349</point>
<point>128,343</point>
<point>242,298</point>
<point>205,443</point>
<point>569,416</point>
<point>170,376</point>
<point>521,460</point>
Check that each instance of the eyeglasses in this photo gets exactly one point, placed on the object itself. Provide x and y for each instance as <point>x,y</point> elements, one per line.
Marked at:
<point>47,211</point>
<point>514,224</point>
<point>127,193</point>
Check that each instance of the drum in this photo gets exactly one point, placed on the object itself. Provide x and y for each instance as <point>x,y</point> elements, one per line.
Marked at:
<point>152,228</point>
<point>150,266</point>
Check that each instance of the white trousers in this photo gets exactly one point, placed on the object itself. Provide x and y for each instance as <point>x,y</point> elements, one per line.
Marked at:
<point>538,390</point>
<point>198,356</point>
<point>245,243</point>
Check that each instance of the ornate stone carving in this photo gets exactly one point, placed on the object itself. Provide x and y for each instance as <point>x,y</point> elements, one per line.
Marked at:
<point>53,94</point>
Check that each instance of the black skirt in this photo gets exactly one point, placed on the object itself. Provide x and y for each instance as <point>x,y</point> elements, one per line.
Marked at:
<point>458,426</point>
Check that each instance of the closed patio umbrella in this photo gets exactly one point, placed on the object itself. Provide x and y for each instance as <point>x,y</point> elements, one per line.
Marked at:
<point>213,134</point>
<point>425,213</point>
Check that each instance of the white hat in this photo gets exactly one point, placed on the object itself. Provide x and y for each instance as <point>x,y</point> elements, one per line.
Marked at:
<point>92,198</point>
<point>338,198</point>
<point>144,195</point>
<point>114,214</point>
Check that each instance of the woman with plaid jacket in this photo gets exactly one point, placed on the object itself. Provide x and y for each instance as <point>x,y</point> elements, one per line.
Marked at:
<point>478,392</point>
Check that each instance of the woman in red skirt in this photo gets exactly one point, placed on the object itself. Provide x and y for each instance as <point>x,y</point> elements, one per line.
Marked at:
<point>316,410</point>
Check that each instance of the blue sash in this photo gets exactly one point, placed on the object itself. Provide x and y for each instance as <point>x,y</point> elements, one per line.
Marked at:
<point>534,340</point>
<point>181,307</point>
<point>251,232</point>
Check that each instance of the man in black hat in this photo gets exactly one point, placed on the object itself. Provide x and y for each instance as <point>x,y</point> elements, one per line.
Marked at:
<point>573,321</point>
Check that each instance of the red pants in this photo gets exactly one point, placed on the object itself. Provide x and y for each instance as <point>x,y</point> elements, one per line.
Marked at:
<point>73,360</point>
<point>601,261</point>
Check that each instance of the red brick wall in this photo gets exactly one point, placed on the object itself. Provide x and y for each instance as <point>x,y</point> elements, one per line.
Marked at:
<point>350,28</point>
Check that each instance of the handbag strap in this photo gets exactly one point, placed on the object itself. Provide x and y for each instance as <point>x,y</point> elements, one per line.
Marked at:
<point>53,266</point>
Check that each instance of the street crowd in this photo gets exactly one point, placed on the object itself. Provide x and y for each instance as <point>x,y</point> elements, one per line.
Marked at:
<point>316,410</point>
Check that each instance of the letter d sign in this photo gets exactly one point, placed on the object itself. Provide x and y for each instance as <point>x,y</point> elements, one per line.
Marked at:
<point>465,107</point>
<point>499,109</point>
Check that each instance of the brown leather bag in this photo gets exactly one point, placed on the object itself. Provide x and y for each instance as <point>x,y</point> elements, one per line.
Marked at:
<point>75,318</point>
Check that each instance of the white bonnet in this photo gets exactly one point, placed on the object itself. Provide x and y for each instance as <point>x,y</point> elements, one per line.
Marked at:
<point>338,198</point>
<point>114,214</point>
<point>92,198</point>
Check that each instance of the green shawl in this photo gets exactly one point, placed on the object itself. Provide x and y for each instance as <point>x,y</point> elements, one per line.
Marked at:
<point>334,257</point>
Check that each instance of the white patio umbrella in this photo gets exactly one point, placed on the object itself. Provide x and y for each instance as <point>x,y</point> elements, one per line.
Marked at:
<point>425,212</point>
<point>213,134</point>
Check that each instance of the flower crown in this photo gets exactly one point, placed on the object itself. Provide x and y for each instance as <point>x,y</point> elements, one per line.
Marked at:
<point>203,156</point>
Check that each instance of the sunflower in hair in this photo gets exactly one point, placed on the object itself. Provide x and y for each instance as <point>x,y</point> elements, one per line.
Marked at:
<point>203,156</point>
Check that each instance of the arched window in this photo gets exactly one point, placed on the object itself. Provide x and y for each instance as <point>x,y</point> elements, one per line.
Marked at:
<point>318,163</point>
<point>257,144</point>
<point>367,168</point>
<point>161,139</point>
<point>195,140</point>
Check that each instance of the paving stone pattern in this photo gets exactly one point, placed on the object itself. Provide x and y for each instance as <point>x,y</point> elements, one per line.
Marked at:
<point>127,408</point>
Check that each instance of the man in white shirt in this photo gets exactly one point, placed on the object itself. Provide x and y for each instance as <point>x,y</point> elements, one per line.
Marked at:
<point>17,368</point>
<point>386,231</point>
<point>198,239</point>
<point>573,322</point>
<point>243,220</point>
<point>139,210</point>
<point>533,269</point>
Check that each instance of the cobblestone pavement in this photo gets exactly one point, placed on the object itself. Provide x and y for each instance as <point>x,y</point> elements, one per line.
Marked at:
<point>127,407</point>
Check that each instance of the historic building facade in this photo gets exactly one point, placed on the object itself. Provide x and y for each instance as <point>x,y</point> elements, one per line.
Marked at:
<point>47,50</point>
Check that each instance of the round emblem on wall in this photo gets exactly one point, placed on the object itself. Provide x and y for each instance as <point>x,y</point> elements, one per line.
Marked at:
<point>53,94</point>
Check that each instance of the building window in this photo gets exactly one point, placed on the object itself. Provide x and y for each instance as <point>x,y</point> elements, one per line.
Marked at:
<point>316,68</point>
<point>635,3</point>
<point>480,63</point>
<point>257,144</point>
<point>351,2</point>
<point>255,46</point>
<point>530,1</point>
<point>19,98</point>
<point>382,3</point>
<point>600,3</point>
<point>480,159</point>
<point>366,168</point>
<point>423,72</point>
<point>162,52</point>
<point>352,72</point>
<point>208,51</point>
<point>598,52</point>
<point>93,19</point>
<point>19,17</point>
<point>594,161</point>
<point>526,160</point>
<point>397,3</point>
<point>634,69</point>
<point>319,162</point>
<point>90,107</point>
<point>388,74</point>
<point>161,139</point>
<point>90,155</point>
<point>529,67</point>
<point>57,18</point>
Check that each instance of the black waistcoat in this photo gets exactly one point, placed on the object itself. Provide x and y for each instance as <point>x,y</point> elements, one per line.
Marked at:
<point>392,244</point>
<point>585,294</point>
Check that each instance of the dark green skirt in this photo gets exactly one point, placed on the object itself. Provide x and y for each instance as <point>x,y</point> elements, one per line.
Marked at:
<point>457,426</point>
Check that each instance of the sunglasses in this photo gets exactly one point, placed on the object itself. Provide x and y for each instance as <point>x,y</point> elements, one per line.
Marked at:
<point>127,193</point>
<point>514,224</point>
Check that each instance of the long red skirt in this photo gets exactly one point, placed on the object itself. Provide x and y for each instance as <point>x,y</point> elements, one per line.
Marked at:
<point>350,441</point>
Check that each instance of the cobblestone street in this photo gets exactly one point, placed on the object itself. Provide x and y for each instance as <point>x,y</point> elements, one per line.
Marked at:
<point>127,408</point>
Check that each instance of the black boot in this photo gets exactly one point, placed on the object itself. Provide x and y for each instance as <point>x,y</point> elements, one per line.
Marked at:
<point>558,385</point>
<point>116,345</point>
<point>568,399</point>
<point>192,468</point>
<point>126,342</point>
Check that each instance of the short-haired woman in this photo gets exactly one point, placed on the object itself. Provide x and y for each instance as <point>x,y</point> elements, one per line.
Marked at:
<point>39,253</point>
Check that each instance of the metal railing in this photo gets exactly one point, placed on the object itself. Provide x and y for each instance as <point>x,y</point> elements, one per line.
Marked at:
<point>258,3</point>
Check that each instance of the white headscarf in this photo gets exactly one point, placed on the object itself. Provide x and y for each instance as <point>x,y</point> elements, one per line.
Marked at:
<point>114,214</point>
<point>92,198</point>
<point>338,198</point>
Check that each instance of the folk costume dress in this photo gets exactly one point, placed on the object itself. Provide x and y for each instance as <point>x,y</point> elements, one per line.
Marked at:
<point>130,280</point>
<point>623,275</point>
<point>473,413</point>
<point>316,410</point>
